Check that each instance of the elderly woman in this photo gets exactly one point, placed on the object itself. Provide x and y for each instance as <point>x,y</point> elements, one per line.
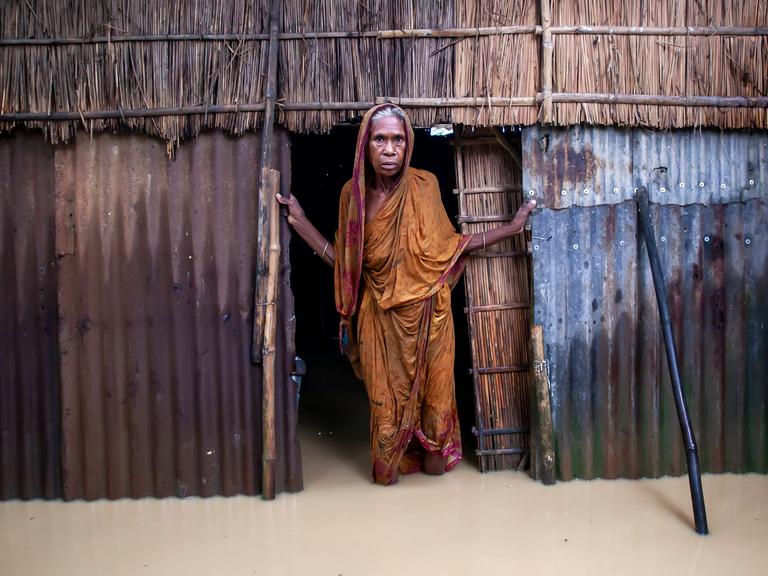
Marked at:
<point>396,257</point>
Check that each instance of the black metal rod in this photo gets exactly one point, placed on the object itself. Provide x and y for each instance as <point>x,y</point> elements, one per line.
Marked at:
<point>692,454</point>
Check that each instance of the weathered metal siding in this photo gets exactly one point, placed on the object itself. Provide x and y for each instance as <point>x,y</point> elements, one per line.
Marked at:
<point>29,399</point>
<point>613,413</point>
<point>159,395</point>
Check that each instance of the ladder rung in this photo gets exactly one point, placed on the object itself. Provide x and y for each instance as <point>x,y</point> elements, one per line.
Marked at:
<point>499,369</point>
<point>490,254</point>
<point>495,431</point>
<point>488,218</point>
<point>500,451</point>
<point>487,190</point>
<point>494,307</point>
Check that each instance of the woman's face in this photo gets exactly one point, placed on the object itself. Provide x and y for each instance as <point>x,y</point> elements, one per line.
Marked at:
<point>386,146</point>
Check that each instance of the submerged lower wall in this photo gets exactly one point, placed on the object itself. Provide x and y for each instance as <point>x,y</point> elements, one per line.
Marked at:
<point>612,408</point>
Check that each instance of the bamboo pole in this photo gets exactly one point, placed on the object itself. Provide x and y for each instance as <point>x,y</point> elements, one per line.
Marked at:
<point>542,440</point>
<point>557,98</point>
<point>662,30</point>
<point>504,143</point>
<point>547,55</point>
<point>457,32</point>
<point>268,352</point>
<point>405,33</point>
<point>662,100</point>
<point>478,101</point>
<point>262,224</point>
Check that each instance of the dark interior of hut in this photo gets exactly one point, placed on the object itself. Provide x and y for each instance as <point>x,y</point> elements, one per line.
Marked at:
<point>333,404</point>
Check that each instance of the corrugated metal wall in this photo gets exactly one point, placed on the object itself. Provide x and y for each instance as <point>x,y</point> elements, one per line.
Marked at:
<point>612,409</point>
<point>155,298</point>
<point>30,423</point>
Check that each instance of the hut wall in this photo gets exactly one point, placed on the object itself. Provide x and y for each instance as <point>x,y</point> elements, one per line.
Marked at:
<point>30,422</point>
<point>155,301</point>
<point>612,408</point>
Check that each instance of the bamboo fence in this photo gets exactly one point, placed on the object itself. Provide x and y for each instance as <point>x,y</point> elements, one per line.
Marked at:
<point>174,69</point>
<point>497,284</point>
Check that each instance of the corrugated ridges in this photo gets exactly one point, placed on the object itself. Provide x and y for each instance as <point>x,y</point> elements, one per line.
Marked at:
<point>611,398</point>
<point>603,165</point>
<point>30,457</point>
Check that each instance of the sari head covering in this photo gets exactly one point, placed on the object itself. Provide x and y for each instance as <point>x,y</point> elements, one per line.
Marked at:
<point>349,241</point>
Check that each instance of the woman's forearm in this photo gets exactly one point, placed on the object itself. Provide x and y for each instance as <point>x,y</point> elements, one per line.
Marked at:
<point>311,235</point>
<point>482,240</point>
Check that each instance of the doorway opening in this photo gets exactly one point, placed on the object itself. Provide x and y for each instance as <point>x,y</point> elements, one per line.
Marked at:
<point>333,407</point>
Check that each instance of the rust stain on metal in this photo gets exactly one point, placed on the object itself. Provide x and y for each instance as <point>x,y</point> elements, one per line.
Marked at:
<point>612,408</point>
<point>159,395</point>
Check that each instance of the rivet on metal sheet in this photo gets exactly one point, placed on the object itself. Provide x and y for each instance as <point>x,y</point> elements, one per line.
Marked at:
<point>540,366</point>
<point>575,246</point>
<point>706,238</point>
<point>747,241</point>
<point>701,184</point>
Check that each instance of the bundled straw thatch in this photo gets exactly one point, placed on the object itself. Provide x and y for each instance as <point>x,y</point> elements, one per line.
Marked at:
<point>667,65</point>
<point>501,66</point>
<point>362,69</point>
<point>145,64</point>
<point>133,75</point>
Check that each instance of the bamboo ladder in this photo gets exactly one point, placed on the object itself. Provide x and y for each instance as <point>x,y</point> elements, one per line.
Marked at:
<point>497,284</point>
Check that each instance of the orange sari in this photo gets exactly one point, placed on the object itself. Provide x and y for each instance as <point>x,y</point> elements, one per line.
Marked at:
<point>403,343</point>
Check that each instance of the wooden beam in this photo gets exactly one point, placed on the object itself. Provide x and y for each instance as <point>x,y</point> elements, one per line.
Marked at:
<point>542,435</point>
<point>547,56</point>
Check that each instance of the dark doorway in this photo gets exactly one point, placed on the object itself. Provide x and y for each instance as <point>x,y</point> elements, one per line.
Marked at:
<point>333,406</point>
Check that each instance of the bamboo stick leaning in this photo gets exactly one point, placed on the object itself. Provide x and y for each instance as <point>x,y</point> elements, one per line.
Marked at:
<point>268,352</point>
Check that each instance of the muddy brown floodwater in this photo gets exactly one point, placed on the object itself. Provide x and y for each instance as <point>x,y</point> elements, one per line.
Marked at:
<point>461,523</point>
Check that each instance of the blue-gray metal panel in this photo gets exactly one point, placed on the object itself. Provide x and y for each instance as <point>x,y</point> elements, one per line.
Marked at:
<point>613,414</point>
<point>589,166</point>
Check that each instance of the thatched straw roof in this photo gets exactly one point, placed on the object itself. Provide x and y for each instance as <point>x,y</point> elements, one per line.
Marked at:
<point>105,64</point>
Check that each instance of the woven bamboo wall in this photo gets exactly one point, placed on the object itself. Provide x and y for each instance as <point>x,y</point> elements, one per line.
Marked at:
<point>498,299</point>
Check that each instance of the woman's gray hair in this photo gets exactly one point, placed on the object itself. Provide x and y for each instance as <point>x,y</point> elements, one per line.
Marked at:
<point>389,111</point>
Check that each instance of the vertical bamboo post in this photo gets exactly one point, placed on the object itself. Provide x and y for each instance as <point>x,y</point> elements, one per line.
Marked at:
<point>270,330</point>
<point>265,164</point>
<point>542,449</point>
<point>547,55</point>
